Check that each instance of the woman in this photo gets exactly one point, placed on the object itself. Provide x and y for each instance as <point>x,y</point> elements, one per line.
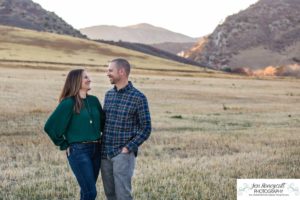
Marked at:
<point>75,126</point>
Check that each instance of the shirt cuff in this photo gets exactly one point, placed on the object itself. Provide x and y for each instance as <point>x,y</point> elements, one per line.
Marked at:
<point>64,145</point>
<point>132,147</point>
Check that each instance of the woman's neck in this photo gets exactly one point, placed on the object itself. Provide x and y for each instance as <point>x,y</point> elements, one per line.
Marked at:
<point>82,94</point>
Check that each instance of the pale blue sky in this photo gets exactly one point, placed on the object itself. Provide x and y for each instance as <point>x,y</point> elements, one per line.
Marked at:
<point>190,17</point>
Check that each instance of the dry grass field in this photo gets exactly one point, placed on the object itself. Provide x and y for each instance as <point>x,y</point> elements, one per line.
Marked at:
<point>208,128</point>
<point>207,132</point>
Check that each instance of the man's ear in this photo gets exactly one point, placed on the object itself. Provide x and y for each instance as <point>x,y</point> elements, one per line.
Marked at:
<point>122,71</point>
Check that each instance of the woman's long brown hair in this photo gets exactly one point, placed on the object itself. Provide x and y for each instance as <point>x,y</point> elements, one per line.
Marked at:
<point>72,87</point>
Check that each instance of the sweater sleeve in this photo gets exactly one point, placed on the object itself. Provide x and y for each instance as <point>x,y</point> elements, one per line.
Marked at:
<point>57,124</point>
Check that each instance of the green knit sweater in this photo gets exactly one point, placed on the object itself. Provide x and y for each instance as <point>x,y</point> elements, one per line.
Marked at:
<point>64,126</point>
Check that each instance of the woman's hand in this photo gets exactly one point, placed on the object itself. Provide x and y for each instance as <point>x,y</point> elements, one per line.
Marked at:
<point>68,151</point>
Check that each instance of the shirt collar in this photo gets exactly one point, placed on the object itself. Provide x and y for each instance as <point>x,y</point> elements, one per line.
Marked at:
<point>124,89</point>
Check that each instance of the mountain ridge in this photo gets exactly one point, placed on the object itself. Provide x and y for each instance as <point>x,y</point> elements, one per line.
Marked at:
<point>139,33</point>
<point>265,34</point>
<point>30,15</point>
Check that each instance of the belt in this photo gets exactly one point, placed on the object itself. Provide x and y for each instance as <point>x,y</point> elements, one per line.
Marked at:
<point>92,142</point>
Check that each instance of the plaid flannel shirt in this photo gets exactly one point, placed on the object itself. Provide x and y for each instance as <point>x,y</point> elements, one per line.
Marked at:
<point>127,120</point>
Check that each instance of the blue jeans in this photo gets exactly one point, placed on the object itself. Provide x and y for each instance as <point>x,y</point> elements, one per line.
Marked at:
<point>85,160</point>
<point>116,174</point>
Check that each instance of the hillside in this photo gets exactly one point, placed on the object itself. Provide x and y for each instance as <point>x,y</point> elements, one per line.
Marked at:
<point>32,49</point>
<point>30,15</point>
<point>174,47</point>
<point>151,50</point>
<point>266,34</point>
<point>140,33</point>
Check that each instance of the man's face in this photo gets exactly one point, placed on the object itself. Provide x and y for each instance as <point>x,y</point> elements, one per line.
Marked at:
<point>113,73</point>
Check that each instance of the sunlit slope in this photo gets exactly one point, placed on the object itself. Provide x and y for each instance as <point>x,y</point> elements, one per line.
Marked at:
<point>27,48</point>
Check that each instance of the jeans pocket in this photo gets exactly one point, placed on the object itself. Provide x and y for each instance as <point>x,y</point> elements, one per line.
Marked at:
<point>80,146</point>
<point>78,151</point>
<point>122,156</point>
<point>74,149</point>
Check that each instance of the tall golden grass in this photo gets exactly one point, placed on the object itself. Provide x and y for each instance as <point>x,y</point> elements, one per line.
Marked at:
<point>207,132</point>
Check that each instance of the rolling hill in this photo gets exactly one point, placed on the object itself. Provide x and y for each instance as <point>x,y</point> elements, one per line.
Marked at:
<point>33,49</point>
<point>143,37</point>
<point>29,15</point>
<point>139,33</point>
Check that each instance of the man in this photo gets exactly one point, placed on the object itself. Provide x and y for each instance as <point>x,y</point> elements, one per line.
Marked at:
<point>127,126</point>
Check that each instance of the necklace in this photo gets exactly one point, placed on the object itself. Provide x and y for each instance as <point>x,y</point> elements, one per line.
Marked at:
<point>89,111</point>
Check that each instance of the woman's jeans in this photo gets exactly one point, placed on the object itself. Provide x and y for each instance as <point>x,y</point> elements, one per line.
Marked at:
<point>85,160</point>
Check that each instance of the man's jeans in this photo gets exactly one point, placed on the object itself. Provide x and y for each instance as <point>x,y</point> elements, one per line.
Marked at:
<point>116,176</point>
<point>85,159</point>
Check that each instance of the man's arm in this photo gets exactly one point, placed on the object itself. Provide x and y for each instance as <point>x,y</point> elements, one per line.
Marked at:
<point>144,121</point>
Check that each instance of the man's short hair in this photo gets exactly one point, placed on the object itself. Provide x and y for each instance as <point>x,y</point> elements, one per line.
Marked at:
<point>122,63</point>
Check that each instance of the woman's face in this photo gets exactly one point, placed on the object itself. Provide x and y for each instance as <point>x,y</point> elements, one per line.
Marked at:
<point>86,81</point>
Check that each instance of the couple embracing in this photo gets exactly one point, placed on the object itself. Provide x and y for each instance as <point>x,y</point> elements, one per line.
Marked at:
<point>78,121</point>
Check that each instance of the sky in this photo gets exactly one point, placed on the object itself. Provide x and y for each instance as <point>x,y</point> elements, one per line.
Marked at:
<point>194,18</point>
